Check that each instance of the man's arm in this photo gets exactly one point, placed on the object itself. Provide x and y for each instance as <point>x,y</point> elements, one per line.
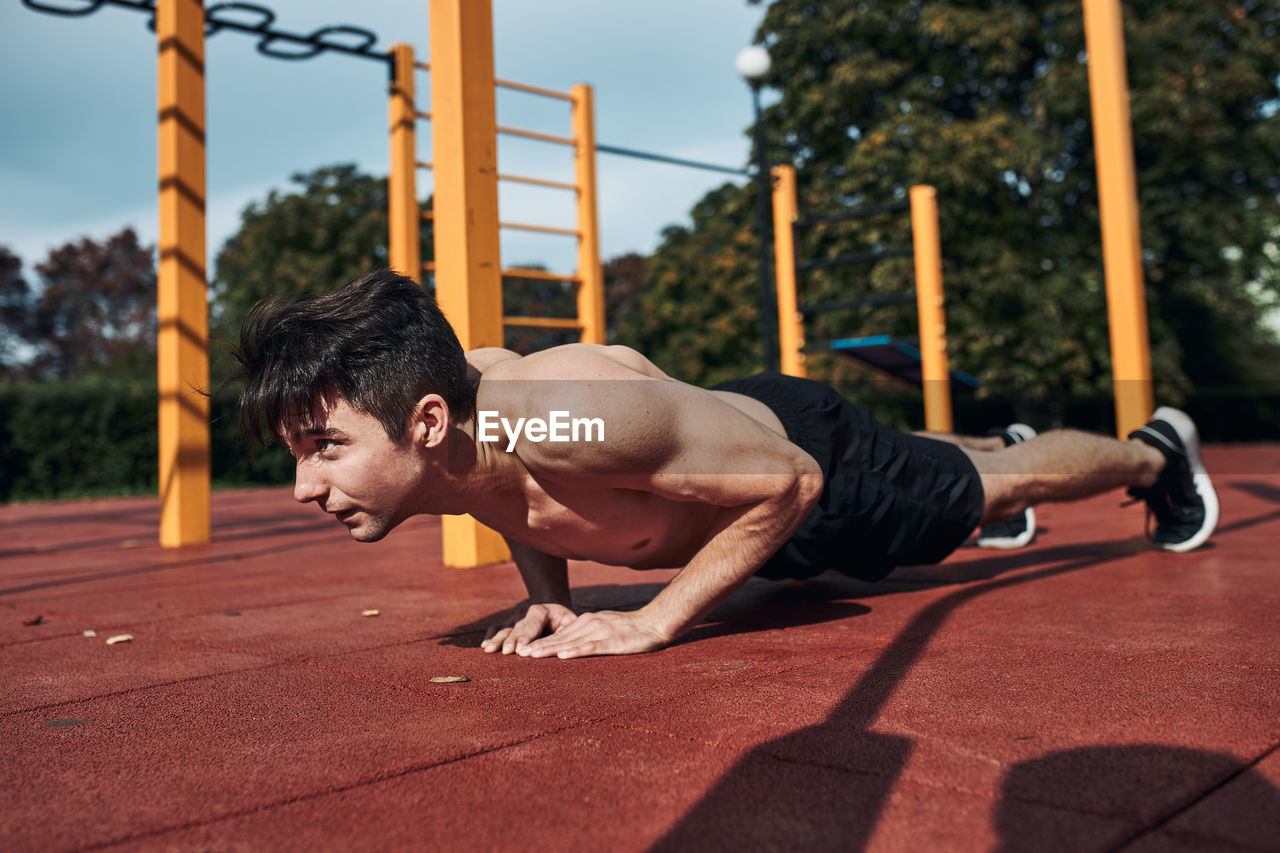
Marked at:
<point>548,607</point>
<point>683,445</point>
<point>742,539</point>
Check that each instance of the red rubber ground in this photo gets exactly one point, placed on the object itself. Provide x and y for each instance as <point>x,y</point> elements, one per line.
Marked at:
<point>1087,693</point>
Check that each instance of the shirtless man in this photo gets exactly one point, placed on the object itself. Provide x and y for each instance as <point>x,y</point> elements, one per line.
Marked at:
<point>388,418</point>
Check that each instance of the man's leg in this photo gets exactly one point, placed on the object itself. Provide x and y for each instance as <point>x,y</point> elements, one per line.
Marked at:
<point>1058,466</point>
<point>1160,464</point>
<point>968,442</point>
<point>1019,529</point>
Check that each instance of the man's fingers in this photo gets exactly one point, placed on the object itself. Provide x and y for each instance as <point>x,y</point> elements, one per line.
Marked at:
<point>571,637</point>
<point>493,641</point>
<point>527,629</point>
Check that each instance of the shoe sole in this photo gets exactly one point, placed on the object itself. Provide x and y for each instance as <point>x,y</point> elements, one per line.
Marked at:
<point>1186,430</point>
<point>1020,432</point>
<point>1009,543</point>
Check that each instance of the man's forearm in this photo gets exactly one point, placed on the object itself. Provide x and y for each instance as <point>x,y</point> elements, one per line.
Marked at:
<point>742,539</point>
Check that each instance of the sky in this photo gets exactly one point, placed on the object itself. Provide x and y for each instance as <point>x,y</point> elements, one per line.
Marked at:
<point>78,103</point>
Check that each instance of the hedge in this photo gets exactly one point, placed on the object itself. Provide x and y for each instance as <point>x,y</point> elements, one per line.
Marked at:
<point>98,437</point>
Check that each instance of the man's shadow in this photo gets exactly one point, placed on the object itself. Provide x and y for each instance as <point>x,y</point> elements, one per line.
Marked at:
<point>824,786</point>
<point>772,605</point>
<point>761,609</point>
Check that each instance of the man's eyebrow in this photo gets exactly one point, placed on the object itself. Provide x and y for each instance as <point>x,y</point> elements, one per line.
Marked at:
<point>315,432</point>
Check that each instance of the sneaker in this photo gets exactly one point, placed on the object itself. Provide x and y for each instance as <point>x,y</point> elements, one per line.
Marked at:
<point>1018,531</point>
<point>1182,499</point>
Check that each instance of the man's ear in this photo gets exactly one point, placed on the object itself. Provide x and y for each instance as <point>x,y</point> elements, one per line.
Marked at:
<point>429,422</point>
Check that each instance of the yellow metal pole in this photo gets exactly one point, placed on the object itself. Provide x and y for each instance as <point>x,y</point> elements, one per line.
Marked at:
<point>1118,209</point>
<point>934,367</point>
<point>182,347</point>
<point>590,273</point>
<point>790,320</point>
<point>467,249</point>
<point>403,216</point>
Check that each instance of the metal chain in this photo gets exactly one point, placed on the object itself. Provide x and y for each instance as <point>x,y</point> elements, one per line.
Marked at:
<point>247,18</point>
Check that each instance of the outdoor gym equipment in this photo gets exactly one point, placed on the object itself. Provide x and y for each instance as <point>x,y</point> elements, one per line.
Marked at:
<point>927,364</point>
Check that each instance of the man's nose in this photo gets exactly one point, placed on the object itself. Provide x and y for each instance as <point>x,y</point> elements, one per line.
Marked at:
<point>308,485</point>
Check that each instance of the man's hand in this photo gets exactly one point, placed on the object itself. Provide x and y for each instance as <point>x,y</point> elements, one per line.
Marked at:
<point>605,633</point>
<point>517,632</point>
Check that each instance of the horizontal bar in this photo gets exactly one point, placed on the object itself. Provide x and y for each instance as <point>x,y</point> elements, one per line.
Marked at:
<point>541,137</point>
<point>533,90</point>
<point>858,213</point>
<point>855,258</point>
<point>541,275</point>
<point>868,302</point>
<point>428,215</point>
<point>545,229</point>
<point>674,161</point>
<point>423,164</point>
<point>511,84</point>
<point>539,182</point>
<point>425,116</point>
<point>543,322</point>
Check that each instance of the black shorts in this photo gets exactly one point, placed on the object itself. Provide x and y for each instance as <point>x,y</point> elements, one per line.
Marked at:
<point>888,499</point>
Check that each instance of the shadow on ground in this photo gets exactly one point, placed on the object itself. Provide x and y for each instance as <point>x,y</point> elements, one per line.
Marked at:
<point>825,786</point>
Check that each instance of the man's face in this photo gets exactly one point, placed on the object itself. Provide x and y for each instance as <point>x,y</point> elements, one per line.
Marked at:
<point>352,470</point>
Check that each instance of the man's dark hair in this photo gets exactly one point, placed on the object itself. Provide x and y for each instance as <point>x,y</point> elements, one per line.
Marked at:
<point>380,342</point>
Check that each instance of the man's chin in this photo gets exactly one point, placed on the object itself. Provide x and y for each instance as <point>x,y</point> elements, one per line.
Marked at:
<point>367,529</point>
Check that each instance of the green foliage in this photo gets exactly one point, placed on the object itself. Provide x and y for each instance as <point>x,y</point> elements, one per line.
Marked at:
<point>98,436</point>
<point>15,305</point>
<point>332,229</point>
<point>989,102</point>
<point>698,317</point>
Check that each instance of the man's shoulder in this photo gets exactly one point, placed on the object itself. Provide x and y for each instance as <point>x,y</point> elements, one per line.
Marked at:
<point>576,362</point>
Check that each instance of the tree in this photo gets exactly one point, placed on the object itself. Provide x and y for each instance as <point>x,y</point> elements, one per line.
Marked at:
<point>331,230</point>
<point>696,319</point>
<point>989,102</point>
<point>15,309</point>
<point>624,284</point>
<point>94,313</point>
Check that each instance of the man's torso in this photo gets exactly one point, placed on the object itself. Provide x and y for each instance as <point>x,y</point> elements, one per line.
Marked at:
<point>577,518</point>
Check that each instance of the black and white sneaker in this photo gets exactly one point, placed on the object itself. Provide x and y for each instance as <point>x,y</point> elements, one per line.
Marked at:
<point>1018,531</point>
<point>1182,499</point>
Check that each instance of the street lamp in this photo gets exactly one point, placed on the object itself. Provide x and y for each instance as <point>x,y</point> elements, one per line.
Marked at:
<point>752,63</point>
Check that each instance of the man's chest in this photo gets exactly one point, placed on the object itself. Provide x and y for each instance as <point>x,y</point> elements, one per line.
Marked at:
<point>616,526</point>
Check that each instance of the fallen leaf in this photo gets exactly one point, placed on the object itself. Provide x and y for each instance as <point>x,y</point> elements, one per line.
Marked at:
<point>34,620</point>
<point>370,612</point>
<point>449,679</point>
<point>64,723</point>
<point>91,633</point>
<point>119,638</point>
